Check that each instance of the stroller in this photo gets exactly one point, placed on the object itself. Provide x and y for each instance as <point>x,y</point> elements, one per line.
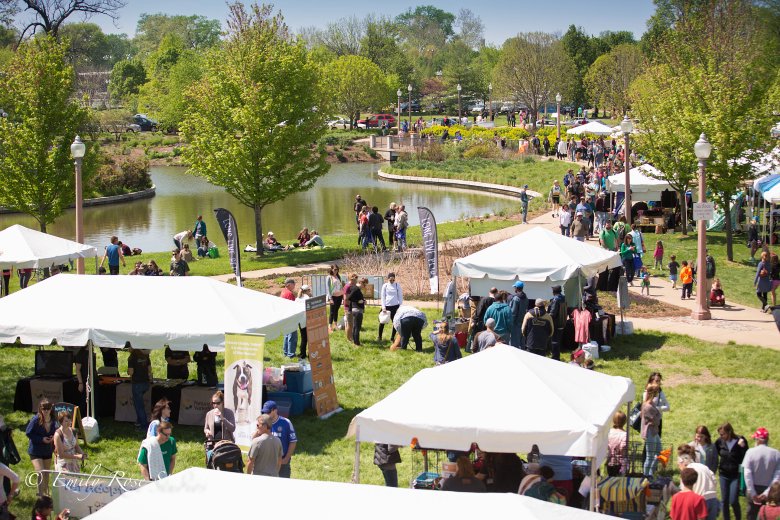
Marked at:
<point>226,456</point>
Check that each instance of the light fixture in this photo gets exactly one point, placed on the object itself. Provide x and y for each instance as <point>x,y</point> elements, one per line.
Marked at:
<point>409,87</point>
<point>78,148</point>
<point>558,97</point>
<point>458,87</point>
<point>626,126</point>
<point>399,92</point>
<point>702,148</point>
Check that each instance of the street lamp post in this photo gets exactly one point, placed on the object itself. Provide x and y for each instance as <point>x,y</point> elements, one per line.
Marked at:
<point>558,103</point>
<point>460,115</point>
<point>490,100</point>
<point>409,88</point>
<point>439,74</point>
<point>399,112</point>
<point>77,150</point>
<point>626,126</point>
<point>702,149</point>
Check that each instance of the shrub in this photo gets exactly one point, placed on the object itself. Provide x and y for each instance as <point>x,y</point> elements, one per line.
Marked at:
<point>370,151</point>
<point>483,151</point>
<point>478,132</point>
<point>340,156</point>
<point>122,175</point>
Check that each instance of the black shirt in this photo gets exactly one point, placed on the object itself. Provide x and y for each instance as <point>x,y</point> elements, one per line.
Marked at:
<point>177,371</point>
<point>390,218</point>
<point>140,364</point>
<point>207,367</point>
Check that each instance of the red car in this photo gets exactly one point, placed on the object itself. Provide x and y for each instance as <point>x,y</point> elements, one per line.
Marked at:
<point>376,120</point>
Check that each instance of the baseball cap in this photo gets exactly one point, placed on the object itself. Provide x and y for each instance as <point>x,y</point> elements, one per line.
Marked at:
<point>269,406</point>
<point>579,214</point>
<point>541,303</point>
<point>271,233</point>
<point>556,288</point>
<point>761,433</point>
<point>525,186</point>
<point>519,285</point>
<point>305,287</point>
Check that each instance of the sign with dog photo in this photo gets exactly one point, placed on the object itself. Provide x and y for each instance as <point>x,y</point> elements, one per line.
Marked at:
<point>244,383</point>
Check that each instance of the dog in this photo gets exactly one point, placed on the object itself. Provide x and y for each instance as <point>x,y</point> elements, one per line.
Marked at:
<point>242,391</point>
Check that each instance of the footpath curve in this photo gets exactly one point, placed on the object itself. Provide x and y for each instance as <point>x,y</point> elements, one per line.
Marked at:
<point>456,183</point>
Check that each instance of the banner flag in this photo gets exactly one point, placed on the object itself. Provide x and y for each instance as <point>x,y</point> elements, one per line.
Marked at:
<point>244,383</point>
<point>430,246</point>
<point>229,229</point>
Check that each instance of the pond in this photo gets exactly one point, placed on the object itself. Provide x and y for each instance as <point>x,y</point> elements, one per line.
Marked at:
<point>327,207</point>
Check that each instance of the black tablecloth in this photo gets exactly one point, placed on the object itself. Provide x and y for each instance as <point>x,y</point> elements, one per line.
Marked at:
<point>23,395</point>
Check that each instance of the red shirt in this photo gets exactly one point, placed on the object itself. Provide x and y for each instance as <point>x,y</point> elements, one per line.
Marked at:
<point>687,505</point>
<point>287,294</point>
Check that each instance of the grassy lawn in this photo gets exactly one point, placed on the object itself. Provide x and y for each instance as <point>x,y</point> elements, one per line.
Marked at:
<point>538,174</point>
<point>705,384</point>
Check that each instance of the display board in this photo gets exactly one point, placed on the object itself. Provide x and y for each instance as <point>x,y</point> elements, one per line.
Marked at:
<point>325,400</point>
<point>75,413</point>
<point>244,383</point>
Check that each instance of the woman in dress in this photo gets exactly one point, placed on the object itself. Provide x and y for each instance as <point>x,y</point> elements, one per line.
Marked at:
<point>651,418</point>
<point>335,296</point>
<point>66,445</point>
<point>731,450</point>
<point>40,430</point>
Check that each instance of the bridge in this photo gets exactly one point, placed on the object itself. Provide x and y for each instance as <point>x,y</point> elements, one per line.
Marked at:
<point>389,147</point>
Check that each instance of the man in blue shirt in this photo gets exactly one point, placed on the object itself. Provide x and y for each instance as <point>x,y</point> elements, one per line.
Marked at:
<point>283,429</point>
<point>114,255</point>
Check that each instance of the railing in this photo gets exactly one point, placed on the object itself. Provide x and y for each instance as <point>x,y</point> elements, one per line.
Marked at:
<point>414,142</point>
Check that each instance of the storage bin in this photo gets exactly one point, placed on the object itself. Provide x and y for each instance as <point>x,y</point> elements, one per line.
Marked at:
<point>296,401</point>
<point>284,406</point>
<point>299,382</point>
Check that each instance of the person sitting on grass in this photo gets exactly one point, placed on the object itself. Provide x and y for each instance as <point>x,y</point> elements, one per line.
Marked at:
<point>303,237</point>
<point>315,240</point>
<point>203,247</point>
<point>271,244</point>
<point>186,253</point>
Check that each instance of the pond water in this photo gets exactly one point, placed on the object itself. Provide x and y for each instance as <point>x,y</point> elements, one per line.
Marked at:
<point>327,207</point>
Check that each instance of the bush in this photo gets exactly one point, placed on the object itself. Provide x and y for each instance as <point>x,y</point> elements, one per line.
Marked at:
<point>119,176</point>
<point>483,151</point>
<point>478,132</point>
<point>340,156</point>
<point>370,151</point>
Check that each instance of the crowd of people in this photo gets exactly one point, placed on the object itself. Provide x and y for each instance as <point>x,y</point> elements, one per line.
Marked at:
<point>370,224</point>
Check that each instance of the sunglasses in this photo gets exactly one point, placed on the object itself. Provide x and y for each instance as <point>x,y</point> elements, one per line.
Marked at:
<point>216,403</point>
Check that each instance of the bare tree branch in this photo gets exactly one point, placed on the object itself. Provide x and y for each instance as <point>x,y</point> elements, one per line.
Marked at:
<point>49,15</point>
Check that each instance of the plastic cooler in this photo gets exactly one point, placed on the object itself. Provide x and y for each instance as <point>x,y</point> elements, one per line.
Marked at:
<point>297,402</point>
<point>298,382</point>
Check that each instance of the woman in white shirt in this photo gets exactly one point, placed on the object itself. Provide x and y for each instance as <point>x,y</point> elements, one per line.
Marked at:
<point>391,297</point>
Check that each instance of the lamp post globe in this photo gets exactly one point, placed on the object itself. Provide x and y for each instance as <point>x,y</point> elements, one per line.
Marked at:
<point>78,149</point>
<point>409,88</point>
<point>398,123</point>
<point>459,111</point>
<point>558,99</point>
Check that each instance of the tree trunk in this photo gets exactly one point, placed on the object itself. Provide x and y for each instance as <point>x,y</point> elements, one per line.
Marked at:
<point>259,230</point>
<point>729,231</point>
<point>684,212</point>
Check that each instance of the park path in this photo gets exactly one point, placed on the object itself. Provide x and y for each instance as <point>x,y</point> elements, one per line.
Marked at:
<point>734,323</point>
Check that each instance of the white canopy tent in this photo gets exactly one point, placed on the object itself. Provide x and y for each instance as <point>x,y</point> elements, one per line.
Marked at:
<point>24,248</point>
<point>539,258</point>
<point>201,493</point>
<point>645,184</point>
<point>594,127</point>
<point>562,408</point>
<point>145,311</point>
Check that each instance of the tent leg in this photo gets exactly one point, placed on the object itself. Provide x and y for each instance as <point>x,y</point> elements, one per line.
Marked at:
<point>593,484</point>
<point>90,393</point>
<point>628,438</point>
<point>356,464</point>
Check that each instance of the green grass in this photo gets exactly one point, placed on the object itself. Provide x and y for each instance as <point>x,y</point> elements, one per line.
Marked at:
<point>705,383</point>
<point>538,174</point>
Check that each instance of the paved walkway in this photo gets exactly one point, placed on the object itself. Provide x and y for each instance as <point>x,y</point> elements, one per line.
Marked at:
<point>737,323</point>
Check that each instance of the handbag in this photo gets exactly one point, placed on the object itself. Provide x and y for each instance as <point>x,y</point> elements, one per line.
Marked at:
<point>635,417</point>
<point>637,262</point>
<point>384,317</point>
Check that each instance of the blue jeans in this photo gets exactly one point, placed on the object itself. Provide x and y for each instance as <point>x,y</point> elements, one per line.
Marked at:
<point>291,344</point>
<point>652,449</point>
<point>525,211</point>
<point>139,389</point>
<point>391,477</point>
<point>713,508</point>
<point>285,471</point>
<point>729,494</point>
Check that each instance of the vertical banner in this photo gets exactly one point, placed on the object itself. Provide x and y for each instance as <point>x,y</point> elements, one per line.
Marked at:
<point>430,246</point>
<point>244,382</point>
<point>325,400</point>
<point>228,226</point>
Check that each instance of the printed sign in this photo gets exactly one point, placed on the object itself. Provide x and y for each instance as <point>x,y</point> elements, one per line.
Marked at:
<point>195,404</point>
<point>85,494</point>
<point>430,246</point>
<point>703,210</point>
<point>325,401</point>
<point>50,389</point>
<point>244,383</point>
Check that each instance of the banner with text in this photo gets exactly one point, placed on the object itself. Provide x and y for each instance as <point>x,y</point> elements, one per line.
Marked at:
<point>244,382</point>
<point>430,246</point>
<point>229,229</point>
<point>325,401</point>
<point>85,494</point>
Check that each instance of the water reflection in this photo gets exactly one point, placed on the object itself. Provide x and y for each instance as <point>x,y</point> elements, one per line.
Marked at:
<point>150,224</point>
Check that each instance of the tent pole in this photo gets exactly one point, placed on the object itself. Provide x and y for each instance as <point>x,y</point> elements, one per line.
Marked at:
<point>628,437</point>
<point>594,488</point>
<point>90,382</point>
<point>356,464</point>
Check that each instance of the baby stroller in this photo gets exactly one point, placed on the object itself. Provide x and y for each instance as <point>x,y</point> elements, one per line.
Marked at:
<point>226,456</point>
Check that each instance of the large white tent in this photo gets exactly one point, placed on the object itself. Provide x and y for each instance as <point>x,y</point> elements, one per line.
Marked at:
<point>528,399</point>
<point>201,493</point>
<point>149,312</point>
<point>22,248</point>
<point>594,127</point>
<point>645,183</point>
<point>539,258</point>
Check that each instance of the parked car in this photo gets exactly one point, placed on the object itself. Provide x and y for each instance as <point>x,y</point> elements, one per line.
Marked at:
<point>338,123</point>
<point>146,124</point>
<point>375,121</point>
<point>415,106</point>
<point>132,127</point>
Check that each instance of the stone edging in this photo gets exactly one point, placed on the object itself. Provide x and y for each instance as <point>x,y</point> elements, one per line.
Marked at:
<point>101,201</point>
<point>455,183</point>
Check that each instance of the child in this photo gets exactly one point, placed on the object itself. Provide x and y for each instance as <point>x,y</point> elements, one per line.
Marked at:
<point>687,505</point>
<point>716,294</point>
<point>673,266</point>
<point>686,277</point>
<point>644,275</point>
<point>658,255</point>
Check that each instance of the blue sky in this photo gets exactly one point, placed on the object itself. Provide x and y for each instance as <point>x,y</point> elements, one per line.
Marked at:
<point>502,18</point>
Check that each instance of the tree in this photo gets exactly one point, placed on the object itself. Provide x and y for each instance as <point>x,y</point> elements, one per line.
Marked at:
<point>341,38</point>
<point>356,84</point>
<point>126,79</point>
<point>49,15</point>
<point>424,32</point>
<point>380,46</point>
<point>252,119</point>
<point>471,30</point>
<point>609,78</point>
<point>195,32</point>
<point>532,68</point>
<point>36,171</point>
<point>581,50</point>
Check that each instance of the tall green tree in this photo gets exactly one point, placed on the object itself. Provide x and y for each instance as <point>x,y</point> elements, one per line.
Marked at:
<point>36,170</point>
<point>195,32</point>
<point>127,77</point>
<point>609,78</point>
<point>253,118</point>
<point>356,84</point>
<point>91,49</point>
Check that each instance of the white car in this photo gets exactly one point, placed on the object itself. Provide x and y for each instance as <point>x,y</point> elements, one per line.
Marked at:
<point>338,123</point>
<point>132,127</point>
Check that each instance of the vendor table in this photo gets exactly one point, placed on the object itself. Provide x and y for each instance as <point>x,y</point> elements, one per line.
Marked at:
<point>30,390</point>
<point>194,404</point>
<point>123,401</point>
